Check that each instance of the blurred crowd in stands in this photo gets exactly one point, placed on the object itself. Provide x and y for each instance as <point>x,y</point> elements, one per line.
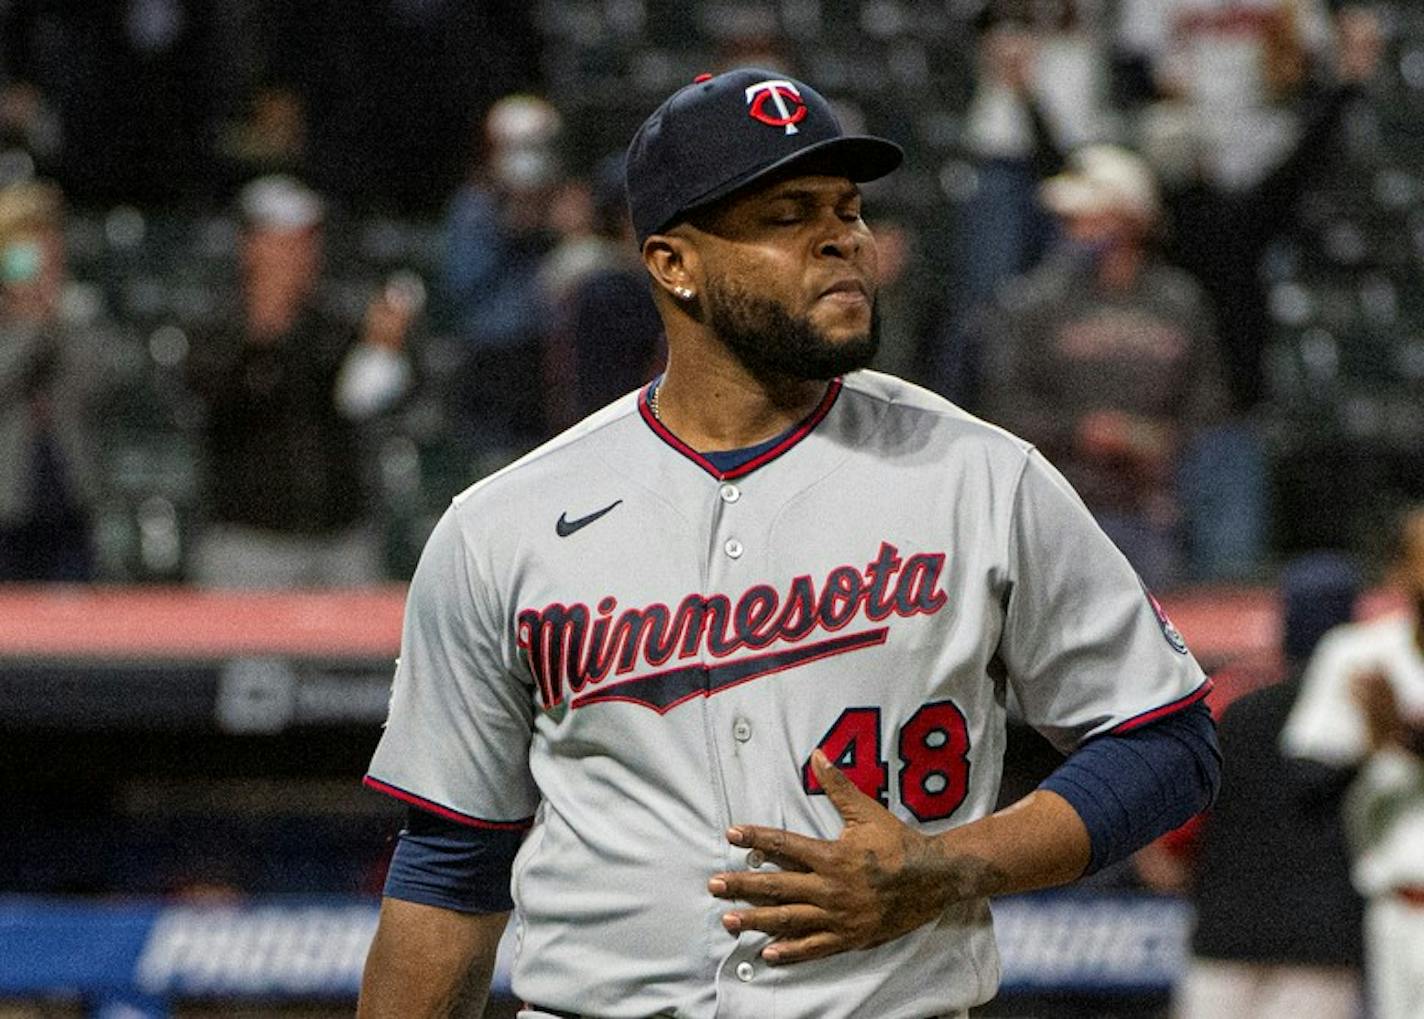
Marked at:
<point>279,279</point>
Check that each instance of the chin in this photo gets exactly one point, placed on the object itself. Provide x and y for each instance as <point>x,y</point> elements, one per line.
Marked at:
<point>858,335</point>
<point>853,320</point>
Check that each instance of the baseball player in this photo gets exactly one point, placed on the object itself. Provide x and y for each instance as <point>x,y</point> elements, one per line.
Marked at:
<point>708,692</point>
<point>1362,705</point>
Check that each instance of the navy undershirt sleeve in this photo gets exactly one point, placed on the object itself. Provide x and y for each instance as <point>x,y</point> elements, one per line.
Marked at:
<point>1131,788</point>
<point>454,866</point>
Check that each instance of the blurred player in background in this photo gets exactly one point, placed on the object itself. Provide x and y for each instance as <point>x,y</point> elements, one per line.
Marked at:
<point>1362,705</point>
<point>1278,932</point>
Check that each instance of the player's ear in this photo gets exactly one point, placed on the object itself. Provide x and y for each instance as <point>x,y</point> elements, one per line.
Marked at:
<point>672,261</point>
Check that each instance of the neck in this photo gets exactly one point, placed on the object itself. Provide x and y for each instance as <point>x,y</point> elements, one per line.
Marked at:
<point>268,319</point>
<point>32,308</point>
<point>715,404</point>
<point>1119,267</point>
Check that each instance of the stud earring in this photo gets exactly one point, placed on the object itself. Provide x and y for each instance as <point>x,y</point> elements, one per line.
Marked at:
<point>683,293</point>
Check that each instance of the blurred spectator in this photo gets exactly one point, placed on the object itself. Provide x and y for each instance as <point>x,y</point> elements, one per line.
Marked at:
<point>908,302</point>
<point>393,90</point>
<point>51,371</point>
<point>286,383</point>
<point>29,133</point>
<point>1362,705</point>
<point>132,86</point>
<point>268,138</point>
<point>1041,72</point>
<point>607,338</point>
<point>1220,234</point>
<point>1227,67</point>
<point>501,226</point>
<point>1278,930</point>
<point>1105,358</point>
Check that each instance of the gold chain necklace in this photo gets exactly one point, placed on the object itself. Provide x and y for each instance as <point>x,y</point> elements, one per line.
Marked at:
<point>653,402</point>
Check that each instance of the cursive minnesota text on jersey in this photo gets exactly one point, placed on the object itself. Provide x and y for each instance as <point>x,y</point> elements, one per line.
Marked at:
<point>570,646</point>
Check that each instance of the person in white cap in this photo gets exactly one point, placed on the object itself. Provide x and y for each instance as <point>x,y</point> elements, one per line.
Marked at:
<point>286,383</point>
<point>1105,357</point>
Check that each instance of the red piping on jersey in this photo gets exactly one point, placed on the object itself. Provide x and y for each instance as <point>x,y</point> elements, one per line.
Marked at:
<point>445,812</point>
<point>798,433</point>
<point>1148,717</point>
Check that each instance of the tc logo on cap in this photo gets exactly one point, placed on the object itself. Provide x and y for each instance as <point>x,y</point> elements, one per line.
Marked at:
<point>782,94</point>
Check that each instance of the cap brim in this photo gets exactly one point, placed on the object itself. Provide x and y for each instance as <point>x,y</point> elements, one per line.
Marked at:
<point>1070,195</point>
<point>859,157</point>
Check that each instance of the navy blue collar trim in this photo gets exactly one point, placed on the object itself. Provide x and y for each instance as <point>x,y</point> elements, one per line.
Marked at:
<point>730,459</point>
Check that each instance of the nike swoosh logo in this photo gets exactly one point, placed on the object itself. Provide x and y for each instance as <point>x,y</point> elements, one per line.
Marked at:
<point>566,527</point>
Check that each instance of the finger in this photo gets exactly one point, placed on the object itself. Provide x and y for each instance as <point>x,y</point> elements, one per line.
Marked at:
<point>801,920</point>
<point>772,888</point>
<point>800,949</point>
<point>759,858</point>
<point>779,845</point>
<point>853,804</point>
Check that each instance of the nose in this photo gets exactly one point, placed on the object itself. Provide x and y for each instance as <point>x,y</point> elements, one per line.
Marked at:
<point>841,239</point>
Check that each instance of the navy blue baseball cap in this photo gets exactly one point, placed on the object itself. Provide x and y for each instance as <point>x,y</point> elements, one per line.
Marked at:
<point>723,133</point>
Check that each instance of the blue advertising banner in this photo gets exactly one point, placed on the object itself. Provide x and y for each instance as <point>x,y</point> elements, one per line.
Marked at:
<point>130,958</point>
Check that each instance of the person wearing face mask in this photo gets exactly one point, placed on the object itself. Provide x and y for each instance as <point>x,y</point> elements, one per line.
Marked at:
<point>1105,357</point>
<point>500,229</point>
<point>49,471</point>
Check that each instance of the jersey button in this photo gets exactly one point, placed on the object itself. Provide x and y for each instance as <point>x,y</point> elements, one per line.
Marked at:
<point>755,858</point>
<point>745,972</point>
<point>741,730</point>
<point>729,492</point>
<point>733,548</point>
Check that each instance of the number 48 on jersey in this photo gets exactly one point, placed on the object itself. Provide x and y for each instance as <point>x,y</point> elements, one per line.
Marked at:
<point>933,747</point>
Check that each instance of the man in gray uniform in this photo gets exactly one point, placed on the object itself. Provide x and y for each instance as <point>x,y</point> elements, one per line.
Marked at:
<point>735,650</point>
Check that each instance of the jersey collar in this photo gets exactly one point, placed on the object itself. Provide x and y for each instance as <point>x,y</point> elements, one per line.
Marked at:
<point>791,438</point>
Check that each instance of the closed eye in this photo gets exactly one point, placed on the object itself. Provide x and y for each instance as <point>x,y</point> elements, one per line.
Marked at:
<point>785,217</point>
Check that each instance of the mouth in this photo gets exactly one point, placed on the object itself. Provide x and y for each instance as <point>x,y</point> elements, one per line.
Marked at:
<point>846,291</point>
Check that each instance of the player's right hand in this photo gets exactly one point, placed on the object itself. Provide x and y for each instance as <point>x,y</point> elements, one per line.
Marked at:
<point>879,880</point>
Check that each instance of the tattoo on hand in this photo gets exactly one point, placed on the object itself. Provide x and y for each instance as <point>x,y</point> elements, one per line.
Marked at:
<point>927,878</point>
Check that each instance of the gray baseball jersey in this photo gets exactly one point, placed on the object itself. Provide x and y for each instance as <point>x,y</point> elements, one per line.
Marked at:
<point>634,650</point>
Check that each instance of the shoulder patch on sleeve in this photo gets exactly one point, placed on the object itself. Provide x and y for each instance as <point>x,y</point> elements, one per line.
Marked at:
<point>1169,631</point>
